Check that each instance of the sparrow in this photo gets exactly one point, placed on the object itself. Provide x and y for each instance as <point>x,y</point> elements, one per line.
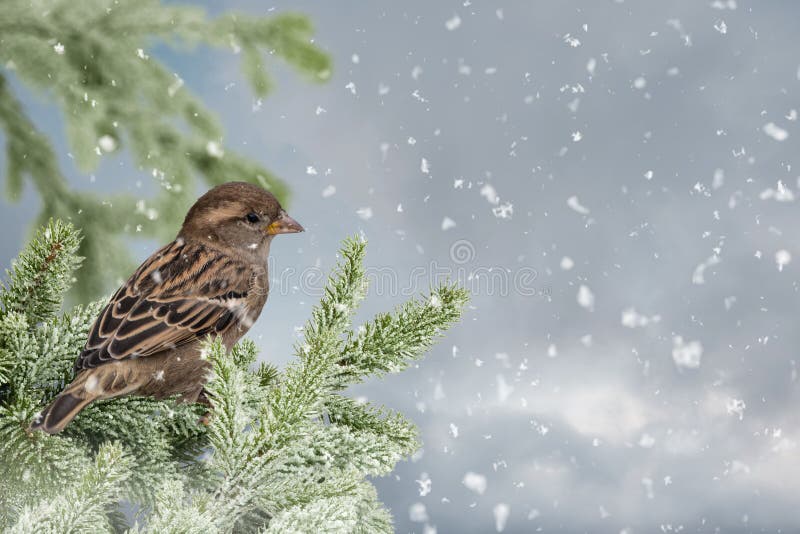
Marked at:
<point>211,281</point>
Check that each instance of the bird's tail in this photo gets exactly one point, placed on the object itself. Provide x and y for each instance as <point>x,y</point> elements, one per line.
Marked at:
<point>65,406</point>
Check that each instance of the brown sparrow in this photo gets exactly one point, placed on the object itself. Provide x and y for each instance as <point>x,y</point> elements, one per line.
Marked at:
<point>210,281</point>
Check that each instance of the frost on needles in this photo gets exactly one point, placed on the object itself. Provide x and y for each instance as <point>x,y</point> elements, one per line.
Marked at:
<point>282,451</point>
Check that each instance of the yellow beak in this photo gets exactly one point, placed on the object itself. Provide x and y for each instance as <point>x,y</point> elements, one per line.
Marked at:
<point>284,225</point>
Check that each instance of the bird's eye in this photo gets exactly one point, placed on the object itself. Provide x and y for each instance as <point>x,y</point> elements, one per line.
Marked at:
<point>253,217</point>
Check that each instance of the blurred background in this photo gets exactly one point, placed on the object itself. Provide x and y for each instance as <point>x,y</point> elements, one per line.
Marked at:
<point>614,180</point>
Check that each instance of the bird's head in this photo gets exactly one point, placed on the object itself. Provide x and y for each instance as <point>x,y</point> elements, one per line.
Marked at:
<point>238,215</point>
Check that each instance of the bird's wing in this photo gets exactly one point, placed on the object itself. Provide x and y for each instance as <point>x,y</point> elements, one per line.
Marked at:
<point>181,293</point>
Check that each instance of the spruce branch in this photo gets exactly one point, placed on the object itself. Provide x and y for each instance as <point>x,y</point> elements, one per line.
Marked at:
<point>173,512</point>
<point>302,390</point>
<point>276,451</point>
<point>327,515</point>
<point>80,507</point>
<point>363,418</point>
<point>390,342</point>
<point>42,273</point>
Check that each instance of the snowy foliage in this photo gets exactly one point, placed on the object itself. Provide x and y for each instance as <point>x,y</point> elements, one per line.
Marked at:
<point>275,452</point>
<point>90,58</point>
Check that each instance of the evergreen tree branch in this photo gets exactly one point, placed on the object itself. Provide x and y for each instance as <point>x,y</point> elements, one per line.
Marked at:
<point>41,274</point>
<point>82,506</point>
<point>275,452</point>
<point>390,342</point>
<point>303,388</point>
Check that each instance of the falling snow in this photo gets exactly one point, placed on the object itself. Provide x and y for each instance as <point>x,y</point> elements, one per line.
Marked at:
<point>624,179</point>
<point>453,23</point>
<point>576,205</point>
<point>686,355</point>
<point>475,482</point>
<point>586,297</point>
<point>775,131</point>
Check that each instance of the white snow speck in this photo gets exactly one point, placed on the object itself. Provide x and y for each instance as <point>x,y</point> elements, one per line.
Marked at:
<point>141,54</point>
<point>576,205</point>
<point>552,351</point>
<point>632,319</point>
<point>567,263</point>
<point>352,87</point>
<point>424,484</point>
<point>448,223</point>
<point>475,482</point>
<point>782,258</point>
<point>399,208</point>
<point>686,355</point>
<point>424,166</point>
<point>735,406</point>
<point>648,175</point>
<point>586,297</point>
<point>355,59</point>
<point>647,441</point>
<point>501,512</point>
<point>453,23</point>
<point>698,276</point>
<point>453,430</point>
<point>214,149</point>
<point>329,191</point>
<point>418,513</point>
<point>310,169</point>
<point>107,143</point>
<point>574,42</point>
<point>591,65</point>
<point>576,136</point>
<point>724,4</point>
<point>504,211</point>
<point>640,83</point>
<point>364,213</point>
<point>490,193</point>
<point>59,48</point>
<point>91,385</point>
<point>775,131</point>
<point>721,27</point>
<point>781,193</point>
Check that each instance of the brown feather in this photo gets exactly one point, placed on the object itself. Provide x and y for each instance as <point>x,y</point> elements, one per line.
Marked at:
<point>146,316</point>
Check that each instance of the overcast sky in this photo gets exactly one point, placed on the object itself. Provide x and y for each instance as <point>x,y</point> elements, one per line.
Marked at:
<point>616,182</point>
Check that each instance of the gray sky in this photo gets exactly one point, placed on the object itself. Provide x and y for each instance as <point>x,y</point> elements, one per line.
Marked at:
<point>641,373</point>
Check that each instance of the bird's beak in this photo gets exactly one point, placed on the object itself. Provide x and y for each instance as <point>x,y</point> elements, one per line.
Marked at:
<point>284,225</point>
